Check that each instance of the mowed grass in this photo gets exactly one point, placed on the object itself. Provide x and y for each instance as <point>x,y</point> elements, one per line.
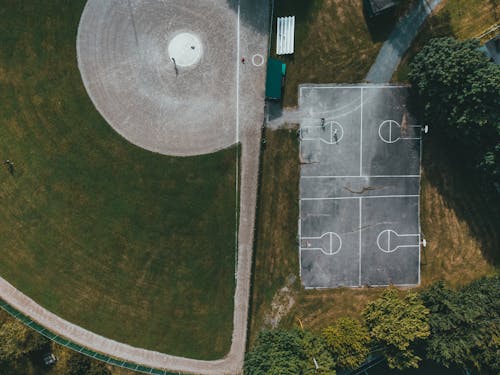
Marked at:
<point>459,220</point>
<point>133,245</point>
<point>334,42</point>
<point>461,19</point>
<point>278,211</point>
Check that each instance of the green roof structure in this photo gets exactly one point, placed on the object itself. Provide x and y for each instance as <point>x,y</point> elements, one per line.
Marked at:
<point>275,72</point>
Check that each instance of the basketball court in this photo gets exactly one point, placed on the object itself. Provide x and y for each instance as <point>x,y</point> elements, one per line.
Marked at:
<point>359,187</point>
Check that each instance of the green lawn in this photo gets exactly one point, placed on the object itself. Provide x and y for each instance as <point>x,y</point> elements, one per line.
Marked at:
<point>130,244</point>
<point>461,19</point>
<point>276,254</point>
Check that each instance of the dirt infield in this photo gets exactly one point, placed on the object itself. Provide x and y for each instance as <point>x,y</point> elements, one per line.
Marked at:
<point>213,103</point>
<point>125,57</point>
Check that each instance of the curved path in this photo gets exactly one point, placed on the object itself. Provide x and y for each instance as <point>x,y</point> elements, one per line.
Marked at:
<point>399,41</point>
<point>251,38</point>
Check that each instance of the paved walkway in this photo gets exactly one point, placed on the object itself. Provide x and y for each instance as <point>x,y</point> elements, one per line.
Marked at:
<point>385,64</point>
<point>253,39</point>
<point>399,41</point>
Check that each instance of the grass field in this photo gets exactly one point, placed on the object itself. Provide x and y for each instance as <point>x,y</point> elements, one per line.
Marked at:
<point>461,19</point>
<point>133,245</point>
<point>276,236</point>
<point>458,220</point>
<point>334,42</point>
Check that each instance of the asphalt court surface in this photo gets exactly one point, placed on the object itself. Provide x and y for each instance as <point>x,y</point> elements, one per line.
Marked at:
<point>359,187</point>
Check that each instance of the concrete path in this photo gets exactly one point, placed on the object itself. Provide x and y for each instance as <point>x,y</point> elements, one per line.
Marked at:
<point>399,41</point>
<point>251,25</point>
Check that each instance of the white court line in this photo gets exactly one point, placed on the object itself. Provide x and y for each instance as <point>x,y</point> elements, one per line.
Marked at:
<point>330,238</point>
<point>360,229</point>
<point>372,176</point>
<point>364,197</point>
<point>300,243</point>
<point>353,87</point>
<point>389,250</point>
<point>330,124</point>
<point>237,140</point>
<point>419,226</point>
<point>361,138</point>
<point>359,286</point>
<point>388,241</point>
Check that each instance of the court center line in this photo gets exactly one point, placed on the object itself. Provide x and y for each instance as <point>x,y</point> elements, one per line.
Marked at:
<point>365,197</point>
<point>360,227</point>
<point>361,138</point>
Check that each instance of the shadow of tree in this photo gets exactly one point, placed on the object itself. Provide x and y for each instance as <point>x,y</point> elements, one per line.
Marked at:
<point>382,25</point>
<point>437,26</point>
<point>254,14</point>
<point>473,199</point>
<point>257,13</point>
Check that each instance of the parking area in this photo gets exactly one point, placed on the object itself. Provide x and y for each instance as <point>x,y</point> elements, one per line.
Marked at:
<point>359,187</point>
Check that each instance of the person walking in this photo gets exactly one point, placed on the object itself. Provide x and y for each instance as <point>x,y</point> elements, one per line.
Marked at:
<point>10,166</point>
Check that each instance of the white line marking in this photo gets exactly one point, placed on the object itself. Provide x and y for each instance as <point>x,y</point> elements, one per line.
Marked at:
<point>237,140</point>
<point>324,251</point>
<point>418,213</point>
<point>361,138</point>
<point>397,138</point>
<point>360,228</point>
<point>392,232</point>
<point>353,87</point>
<point>330,124</point>
<point>372,176</point>
<point>388,241</point>
<point>258,57</point>
<point>300,241</point>
<point>364,197</point>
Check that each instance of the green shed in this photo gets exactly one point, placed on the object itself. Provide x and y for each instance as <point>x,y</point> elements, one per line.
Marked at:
<point>275,72</point>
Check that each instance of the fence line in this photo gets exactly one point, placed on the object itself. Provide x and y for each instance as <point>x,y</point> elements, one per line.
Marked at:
<point>78,348</point>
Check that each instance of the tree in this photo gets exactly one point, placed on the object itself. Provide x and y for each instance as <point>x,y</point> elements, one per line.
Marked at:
<point>316,354</point>
<point>17,340</point>
<point>465,325</point>
<point>458,87</point>
<point>281,352</point>
<point>347,340</point>
<point>398,324</point>
<point>81,365</point>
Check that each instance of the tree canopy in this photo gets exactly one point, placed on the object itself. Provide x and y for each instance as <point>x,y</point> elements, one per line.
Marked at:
<point>398,324</point>
<point>17,340</point>
<point>465,325</point>
<point>347,340</point>
<point>459,89</point>
<point>78,364</point>
<point>293,352</point>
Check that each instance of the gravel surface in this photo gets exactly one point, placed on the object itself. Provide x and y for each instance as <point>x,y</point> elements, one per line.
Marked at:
<point>129,77</point>
<point>123,56</point>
